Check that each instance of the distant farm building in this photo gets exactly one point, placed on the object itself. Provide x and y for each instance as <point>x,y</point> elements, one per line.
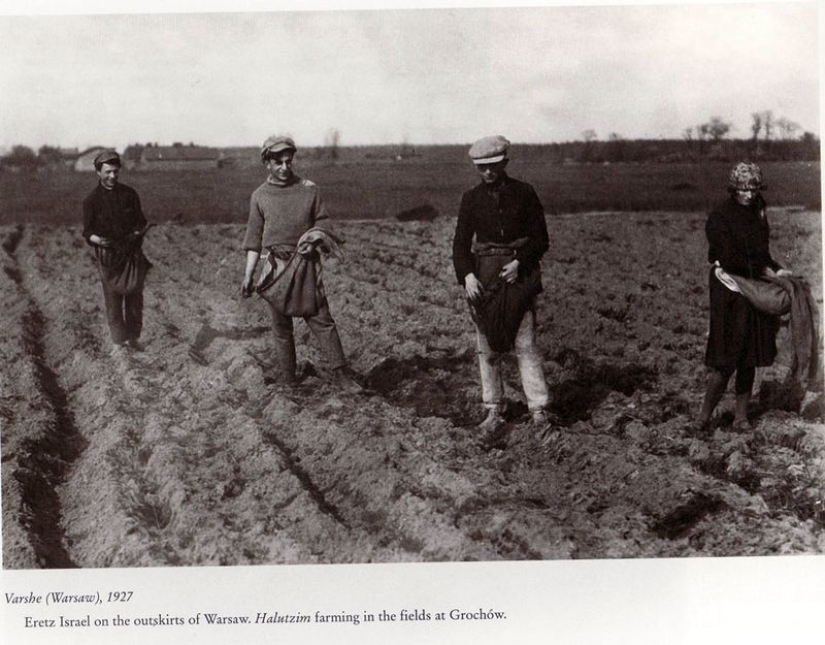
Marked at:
<point>177,157</point>
<point>86,160</point>
<point>131,156</point>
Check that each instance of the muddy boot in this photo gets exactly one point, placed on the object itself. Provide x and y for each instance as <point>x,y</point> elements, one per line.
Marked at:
<point>491,431</point>
<point>539,418</point>
<point>545,426</point>
<point>699,428</point>
<point>119,349</point>
<point>343,378</point>
<point>283,371</point>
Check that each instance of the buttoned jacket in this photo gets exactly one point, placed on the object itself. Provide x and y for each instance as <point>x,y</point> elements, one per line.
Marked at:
<point>508,212</point>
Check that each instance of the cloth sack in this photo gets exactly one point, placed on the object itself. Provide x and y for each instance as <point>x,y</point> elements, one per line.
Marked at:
<point>291,279</point>
<point>123,266</point>
<point>502,305</point>
<point>787,295</point>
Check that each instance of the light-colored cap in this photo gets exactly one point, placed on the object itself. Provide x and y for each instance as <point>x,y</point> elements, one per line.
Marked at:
<point>489,150</point>
<point>276,144</point>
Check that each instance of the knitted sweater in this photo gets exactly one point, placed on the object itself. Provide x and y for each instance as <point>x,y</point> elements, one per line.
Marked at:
<point>281,214</point>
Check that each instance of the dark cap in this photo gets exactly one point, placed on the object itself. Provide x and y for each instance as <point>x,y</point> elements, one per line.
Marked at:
<point>275,144</point>
<point>106,156</point>
<point>489,149</point>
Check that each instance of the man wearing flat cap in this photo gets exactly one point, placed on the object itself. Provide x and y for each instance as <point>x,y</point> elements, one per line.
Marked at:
<point>500,236</point>
<point>114,225</point>
<point>288,219</point>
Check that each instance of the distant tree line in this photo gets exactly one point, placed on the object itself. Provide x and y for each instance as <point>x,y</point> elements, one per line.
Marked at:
<point>771,139</point>
<point>616,149</point>
<point>24,158</point>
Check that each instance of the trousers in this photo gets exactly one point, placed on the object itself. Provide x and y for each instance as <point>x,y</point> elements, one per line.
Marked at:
<point>323,328</point>
<point>529,365</point>
<point>124,314</point>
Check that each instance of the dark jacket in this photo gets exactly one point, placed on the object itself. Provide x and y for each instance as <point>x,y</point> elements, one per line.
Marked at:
<point>113,214</point>
<point>500,216</point>
<point>116,214</point>
<point>739,238</point>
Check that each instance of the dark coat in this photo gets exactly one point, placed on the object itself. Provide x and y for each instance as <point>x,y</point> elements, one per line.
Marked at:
<point>116,214</point>
<point>739,239</point>
<point>500,216</point>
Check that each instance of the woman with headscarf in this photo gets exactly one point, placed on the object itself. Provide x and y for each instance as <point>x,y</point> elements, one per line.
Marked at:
<point>741,337</point>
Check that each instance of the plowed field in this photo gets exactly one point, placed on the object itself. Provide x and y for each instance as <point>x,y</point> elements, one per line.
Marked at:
<point>187,454</point>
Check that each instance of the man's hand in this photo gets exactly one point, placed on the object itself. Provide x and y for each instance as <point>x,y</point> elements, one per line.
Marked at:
<point>246,288</point>
<point>780,273</point>
<point>509,272</point>
<point>472,286</point>
<point>100,241</point>
<point>249,273</point>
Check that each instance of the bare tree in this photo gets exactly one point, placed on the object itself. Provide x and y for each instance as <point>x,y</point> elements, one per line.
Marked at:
<point>687,135</point>
<point>331,141</point>
<point>768,124</point>
<point>717,128</point>
<point>589,137</point>
<point>787,128</point>
<point>702,134</point>
<point>756,125</point>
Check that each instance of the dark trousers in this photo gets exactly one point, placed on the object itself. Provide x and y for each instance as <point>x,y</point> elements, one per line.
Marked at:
<point>124,314</point>
<point>324,329</point>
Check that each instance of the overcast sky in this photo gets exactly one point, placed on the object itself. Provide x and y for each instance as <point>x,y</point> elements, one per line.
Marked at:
<point>537,74</point>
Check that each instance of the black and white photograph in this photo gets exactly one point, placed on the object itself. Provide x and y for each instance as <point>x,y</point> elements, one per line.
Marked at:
<point>471,294</point>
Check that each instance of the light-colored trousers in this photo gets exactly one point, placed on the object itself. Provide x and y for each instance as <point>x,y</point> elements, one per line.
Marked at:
<point>529,365</point>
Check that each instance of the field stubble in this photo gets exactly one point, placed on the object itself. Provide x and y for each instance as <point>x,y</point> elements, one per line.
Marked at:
<point>185,454</point>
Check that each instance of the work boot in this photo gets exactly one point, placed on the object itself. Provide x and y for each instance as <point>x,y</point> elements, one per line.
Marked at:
<point>545,425</point>
<point>539,418</point>
<point>699,428</point>
<point>344,380</point>
<point>119,349</point>
<point>491,431</point>
<point>283,371</point>
<point>493,420</point>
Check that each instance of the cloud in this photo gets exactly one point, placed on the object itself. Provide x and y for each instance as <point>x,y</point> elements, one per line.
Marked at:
<point>426,76</point>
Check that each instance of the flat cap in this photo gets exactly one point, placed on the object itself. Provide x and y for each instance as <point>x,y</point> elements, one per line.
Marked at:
<point>276,144</point>
<point>489,149</point>
<point>106,156</point>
